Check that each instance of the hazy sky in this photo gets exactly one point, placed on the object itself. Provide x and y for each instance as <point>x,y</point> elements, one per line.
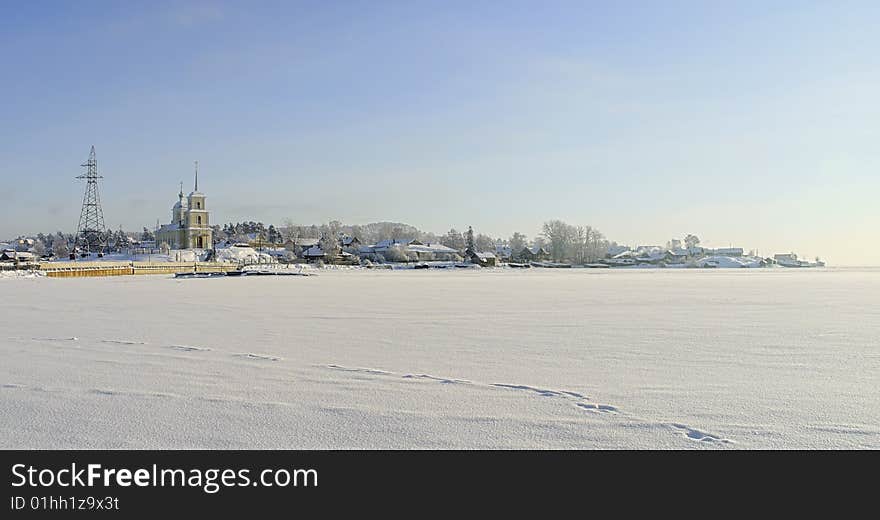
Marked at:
<point>751,124</point>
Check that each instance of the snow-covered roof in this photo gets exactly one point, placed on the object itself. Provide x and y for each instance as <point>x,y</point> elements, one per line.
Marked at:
<point>307,242</point>
<point>649,249</point>
<point>651,256</point>
<point>484,255</point>
<point>430,248</point>
<point>169,227</point>
<point>21,255</point>
<point>502,250</point>
<point>394,241</point>
<point>412,246</point>
<point>314,251</point>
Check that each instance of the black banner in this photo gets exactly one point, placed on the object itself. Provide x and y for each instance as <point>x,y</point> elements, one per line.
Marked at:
<point>125,483</point>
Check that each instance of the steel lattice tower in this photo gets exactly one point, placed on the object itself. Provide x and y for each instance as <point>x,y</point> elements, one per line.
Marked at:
<point>91,234</point>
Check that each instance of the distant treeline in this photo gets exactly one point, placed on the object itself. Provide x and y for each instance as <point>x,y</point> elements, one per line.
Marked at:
<point>562,241</point>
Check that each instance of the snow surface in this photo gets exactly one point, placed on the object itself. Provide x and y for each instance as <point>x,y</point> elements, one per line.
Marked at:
<point>538,358</point>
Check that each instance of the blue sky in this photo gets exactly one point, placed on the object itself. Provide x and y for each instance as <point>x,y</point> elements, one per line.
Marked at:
<point>747,123</point>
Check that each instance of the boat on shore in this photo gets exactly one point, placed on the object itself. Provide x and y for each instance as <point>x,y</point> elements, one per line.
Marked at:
<point>551,265</point>
<point>265,271</point>
<point>200,275</point>
<point>274,272</point>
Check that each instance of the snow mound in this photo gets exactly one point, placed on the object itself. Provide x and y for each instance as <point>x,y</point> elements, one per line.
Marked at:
<point>22,274</point>
<point>728,262</point>
<point>237,254</point>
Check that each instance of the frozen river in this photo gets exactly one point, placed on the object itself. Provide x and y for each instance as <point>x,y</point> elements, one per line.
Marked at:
<point>543,358</point>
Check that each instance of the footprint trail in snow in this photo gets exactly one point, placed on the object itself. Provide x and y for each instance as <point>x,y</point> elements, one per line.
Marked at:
<point>581,401</point>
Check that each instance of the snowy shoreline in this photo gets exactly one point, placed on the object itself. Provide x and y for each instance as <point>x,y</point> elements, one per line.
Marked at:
<point>442,266</point>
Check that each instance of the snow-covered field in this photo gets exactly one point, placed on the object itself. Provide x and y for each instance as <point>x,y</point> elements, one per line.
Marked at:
<point>556,358</point>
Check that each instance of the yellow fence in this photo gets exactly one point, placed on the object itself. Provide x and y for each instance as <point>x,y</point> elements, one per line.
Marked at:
<point>77,269</point>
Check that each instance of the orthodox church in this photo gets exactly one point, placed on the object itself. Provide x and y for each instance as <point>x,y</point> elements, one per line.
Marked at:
<point>190,226</point>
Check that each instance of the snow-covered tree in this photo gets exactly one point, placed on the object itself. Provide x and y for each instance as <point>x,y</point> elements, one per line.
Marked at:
<point>330,245</point>
<point>453,239</point>
<point>517,243</point>
<point>272,235</point>
<point>469,239</point>
<point>484,243</point>
<point>397,253</point>
<point>59,247</point>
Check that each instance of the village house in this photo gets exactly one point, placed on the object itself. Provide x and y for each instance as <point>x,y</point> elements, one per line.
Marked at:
<point>503,253</point>
<point>300,245</point>
<point>613,251</point>
<point>404,250</point>
<point>383,245</point>
<point>786,257</point>
<point>696,251</point>
<point>316,253</point>
<point>347,242</point>
<point>431,251</point>
<point>24,244</point>
<point>482,258</point>
<point>313,253</point>
<point>534,254</point>
<point>259,241</point>
<point>676,256</point>
<point>18,257</point>
<point>729,251</point>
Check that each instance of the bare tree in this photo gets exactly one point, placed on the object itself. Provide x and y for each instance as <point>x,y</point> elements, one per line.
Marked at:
<point>59,247</point>
<point>560,237</point>
<point>453,239</point>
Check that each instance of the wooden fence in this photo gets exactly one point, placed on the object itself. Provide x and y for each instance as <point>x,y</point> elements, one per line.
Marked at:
<point>78,269</point>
